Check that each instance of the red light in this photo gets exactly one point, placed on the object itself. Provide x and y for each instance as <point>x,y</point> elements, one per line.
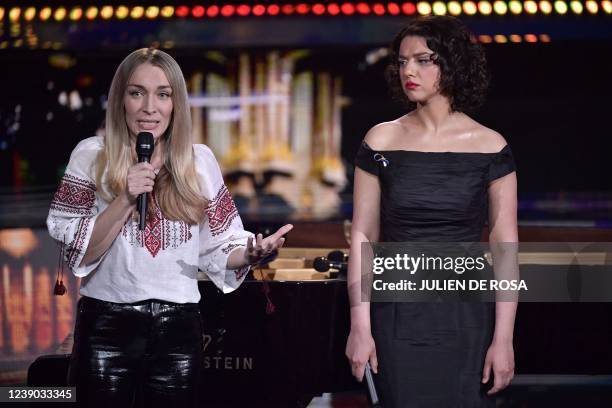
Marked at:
<point>393,8</point>
<point>302,8</point>
<point>348,9</point>
<point>287,9</point>
<point>227,10</point>
<point>363,8</point>
<point>378,9</point>
<point>243,10</point>
<point>198,11</point>
<point>408,8</point>
<point>318,9</point>
<point>182,11</point>
<point>213,11</point>
<point>333,9</point>
<point>259,10</point>
<point>273,9</point>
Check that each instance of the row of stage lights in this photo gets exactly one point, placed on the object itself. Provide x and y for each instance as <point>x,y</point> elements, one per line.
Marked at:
<point>455,8</point>
<point>484,39</point>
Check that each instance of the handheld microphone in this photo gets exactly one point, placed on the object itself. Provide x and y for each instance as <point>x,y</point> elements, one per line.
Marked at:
<point>322,264</point>
<point>337,256</point>
<point>144,150</point>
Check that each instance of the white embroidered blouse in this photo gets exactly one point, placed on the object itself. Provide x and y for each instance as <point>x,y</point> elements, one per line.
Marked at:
<point>160,262</point>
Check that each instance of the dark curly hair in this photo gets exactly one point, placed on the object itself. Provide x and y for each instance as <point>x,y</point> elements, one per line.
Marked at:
<point>464,77</point>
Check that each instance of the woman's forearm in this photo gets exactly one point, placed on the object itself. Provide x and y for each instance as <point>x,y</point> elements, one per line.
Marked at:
<point>107,227</point>
<point>505,267</point>
<point>237,258</point>
<point>360,310</point>
<point>505,313</point>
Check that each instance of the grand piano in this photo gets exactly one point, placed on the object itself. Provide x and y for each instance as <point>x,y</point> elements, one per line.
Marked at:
<point>275,342</point>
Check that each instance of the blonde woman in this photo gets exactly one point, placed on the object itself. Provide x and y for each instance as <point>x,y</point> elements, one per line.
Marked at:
<point>138,322</point>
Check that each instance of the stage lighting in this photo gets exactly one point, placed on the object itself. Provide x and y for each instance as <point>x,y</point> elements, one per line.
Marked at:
<point>469,8</point>
<point>500,7</point>
<point>287,9</point>
<point>106,12</point>
<point>591,6</point>
<point>243,10</point>
<point>454,8</point>
<point>439,8</point>
<point>515,7</point>
<point>122,12</point>
<point>91,13</point>
<point>515,38</point>
<point>60,14</point>
<point>378,9</point>
<point>348,9</point>
<point>423,8</point>
<point>197,11</point>
<point>545,38</point>
<point>530,7</point>
<point>167,11</point>
<point>274,9</point>
<point>501,39</point>
<point>259,10</point>
<point>576,7</point>
<point>182,11</point>
<point>485,8</point>
<point>228,10</point>
<point>76,14</point>
<point>212,11</point>
<point>152,12</point>
<point>29,14</point>
<point>14,14</point>
<point>408,8</point>
<point>545,7</point>
<point>560,7</point>
<point>393,8</point>
<point>363,8</point>
<point>137,12</point>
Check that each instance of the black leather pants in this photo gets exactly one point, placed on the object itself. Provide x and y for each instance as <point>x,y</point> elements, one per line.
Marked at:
<point>147,352</point>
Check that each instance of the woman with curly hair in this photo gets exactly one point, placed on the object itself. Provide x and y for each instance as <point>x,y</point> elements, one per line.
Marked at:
<point>138,322</point>
<point>433,175</point>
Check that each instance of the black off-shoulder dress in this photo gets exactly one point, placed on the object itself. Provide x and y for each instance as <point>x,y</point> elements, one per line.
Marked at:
<point>432,354</point>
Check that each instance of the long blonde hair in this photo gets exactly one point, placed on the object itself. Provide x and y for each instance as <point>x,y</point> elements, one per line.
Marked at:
<point>176,190</point>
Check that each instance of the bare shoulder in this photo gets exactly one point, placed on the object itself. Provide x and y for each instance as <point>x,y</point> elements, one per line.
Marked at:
<point>383,135</point>
<point>488,140</point>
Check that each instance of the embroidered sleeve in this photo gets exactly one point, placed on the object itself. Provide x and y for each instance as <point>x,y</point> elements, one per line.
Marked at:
<point>222,231</point>
<point>74,208</point>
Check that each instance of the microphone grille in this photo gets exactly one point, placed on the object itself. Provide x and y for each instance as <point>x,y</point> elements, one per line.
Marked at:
<point>321,264</point>
<point>144,144</point>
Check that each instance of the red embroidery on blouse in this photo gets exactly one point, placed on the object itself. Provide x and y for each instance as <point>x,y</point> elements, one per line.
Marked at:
<point>74,196</point>
<point>242,271</point>
<point>221,211</point>
<point>159,234</point>
<point>230,247</point>
<point>74,248</point>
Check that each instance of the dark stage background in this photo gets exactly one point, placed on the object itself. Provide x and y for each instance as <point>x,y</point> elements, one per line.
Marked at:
<point>550,101</point>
